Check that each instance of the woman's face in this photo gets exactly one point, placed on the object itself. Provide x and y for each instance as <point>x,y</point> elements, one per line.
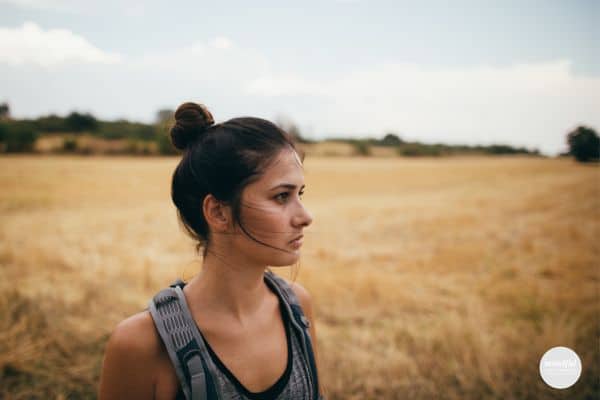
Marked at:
<point>272,213</point>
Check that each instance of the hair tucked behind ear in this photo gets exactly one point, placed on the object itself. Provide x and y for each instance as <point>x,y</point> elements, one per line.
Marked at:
<point>219,159</point>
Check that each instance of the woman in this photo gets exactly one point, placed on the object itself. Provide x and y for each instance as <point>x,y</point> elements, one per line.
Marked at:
<point>237,190</point>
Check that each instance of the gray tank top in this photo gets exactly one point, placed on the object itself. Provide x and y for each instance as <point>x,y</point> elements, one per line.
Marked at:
<point>293,384</point>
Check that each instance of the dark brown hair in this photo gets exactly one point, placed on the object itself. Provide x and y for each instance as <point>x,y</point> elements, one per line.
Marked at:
<point>220,159</point>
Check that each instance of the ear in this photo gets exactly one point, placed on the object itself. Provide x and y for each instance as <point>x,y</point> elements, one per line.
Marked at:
<point>218,215</point>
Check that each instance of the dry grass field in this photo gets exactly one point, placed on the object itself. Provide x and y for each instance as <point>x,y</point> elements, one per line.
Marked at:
<point>432,278</point>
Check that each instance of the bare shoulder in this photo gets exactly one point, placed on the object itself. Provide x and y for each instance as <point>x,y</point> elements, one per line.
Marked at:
<point>131,359</point>
<point>137,334</point>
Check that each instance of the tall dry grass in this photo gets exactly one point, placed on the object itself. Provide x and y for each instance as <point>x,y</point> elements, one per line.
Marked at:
<point>432,278</point>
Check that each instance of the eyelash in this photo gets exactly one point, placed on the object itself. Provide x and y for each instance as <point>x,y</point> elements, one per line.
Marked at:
<point>287,193</point>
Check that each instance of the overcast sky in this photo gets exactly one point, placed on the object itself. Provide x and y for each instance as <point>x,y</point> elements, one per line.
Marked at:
<point>473,72</point>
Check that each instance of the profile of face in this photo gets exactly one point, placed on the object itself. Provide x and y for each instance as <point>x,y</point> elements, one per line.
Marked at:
<point>272,213</point>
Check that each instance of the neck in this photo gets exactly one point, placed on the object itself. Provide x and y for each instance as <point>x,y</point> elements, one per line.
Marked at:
<point>229,286</point>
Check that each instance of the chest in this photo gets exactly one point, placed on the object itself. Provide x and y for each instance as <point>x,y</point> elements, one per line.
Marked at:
<point>256,355</point>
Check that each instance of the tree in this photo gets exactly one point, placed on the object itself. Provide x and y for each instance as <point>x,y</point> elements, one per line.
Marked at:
<point>17,137</point>
<point>4,111</point>
<point>584,144</point>
<point>52,123</point>
<point>391,140</point>
<point>77,122</point>
<point>361,147</point>
<point>290,127</point>
<point>70,144</point>
<point>164,116</point>
<point>164,145</point>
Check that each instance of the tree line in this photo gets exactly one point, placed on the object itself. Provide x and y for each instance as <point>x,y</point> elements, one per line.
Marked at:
<point>20,136</point>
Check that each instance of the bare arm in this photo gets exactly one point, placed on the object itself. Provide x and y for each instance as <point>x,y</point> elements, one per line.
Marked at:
<point>127,370</point>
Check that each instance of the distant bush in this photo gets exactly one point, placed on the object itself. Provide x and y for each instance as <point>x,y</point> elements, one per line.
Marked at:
<point>584,144</point>
<point>70,144</point>
<point>418,149</point>
<point>51,123</point>
<point>361,148</point>
<point>77,122</point>
<point>17,137</point>
<point>165,146</point>
<point>4,111</point>
<point>505,149</point>
<point>391,140</point>
<point>122,129</point>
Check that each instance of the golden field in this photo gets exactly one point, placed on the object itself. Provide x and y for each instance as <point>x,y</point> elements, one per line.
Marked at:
<point>431,278</point>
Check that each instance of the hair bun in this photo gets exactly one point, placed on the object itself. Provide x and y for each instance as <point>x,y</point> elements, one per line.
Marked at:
<point>191,120</point>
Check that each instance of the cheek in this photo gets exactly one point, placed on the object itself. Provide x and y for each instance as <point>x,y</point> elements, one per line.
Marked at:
<point>266,223</point>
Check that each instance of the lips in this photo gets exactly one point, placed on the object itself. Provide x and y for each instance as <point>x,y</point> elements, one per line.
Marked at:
<point>297,238</point>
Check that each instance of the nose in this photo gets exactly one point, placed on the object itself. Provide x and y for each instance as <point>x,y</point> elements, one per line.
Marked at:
<point>302,217</point>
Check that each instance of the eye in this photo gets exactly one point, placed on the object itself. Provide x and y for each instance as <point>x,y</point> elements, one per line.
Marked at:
<point>282,196</point>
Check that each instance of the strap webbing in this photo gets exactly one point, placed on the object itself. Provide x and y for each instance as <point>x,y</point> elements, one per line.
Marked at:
<point>198,380</point>
<point>183,342</point>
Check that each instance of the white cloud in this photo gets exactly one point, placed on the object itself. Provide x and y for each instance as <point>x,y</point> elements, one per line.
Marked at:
<point>526,104</point>
<point>139,85</point>
<point>69,6</point>
<point>288,85</point>
<point>221,42</point>
<point>206,61</point>
<point>106,8</point>
<point>33,3</point>
<point>30,44</point>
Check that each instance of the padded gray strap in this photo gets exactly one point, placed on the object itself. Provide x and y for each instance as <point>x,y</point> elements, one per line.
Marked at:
<point>198,379</point>
<point>164,310</point>
<point>195,332</point>
<point>178,330</point>
<point>284,288</point>
<point>291,302</point>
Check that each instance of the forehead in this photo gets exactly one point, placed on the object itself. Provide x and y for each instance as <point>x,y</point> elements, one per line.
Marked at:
<point>286,168</point>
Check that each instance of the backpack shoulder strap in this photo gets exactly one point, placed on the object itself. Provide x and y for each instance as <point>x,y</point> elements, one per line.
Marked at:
<point>299,321</point>
<point>183,342</point>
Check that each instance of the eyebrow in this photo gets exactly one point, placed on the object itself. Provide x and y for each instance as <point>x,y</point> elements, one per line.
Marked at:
<point>287,186</point>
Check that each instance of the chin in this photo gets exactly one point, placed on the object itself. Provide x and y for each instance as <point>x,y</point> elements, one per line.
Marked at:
<point>285,260</point>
